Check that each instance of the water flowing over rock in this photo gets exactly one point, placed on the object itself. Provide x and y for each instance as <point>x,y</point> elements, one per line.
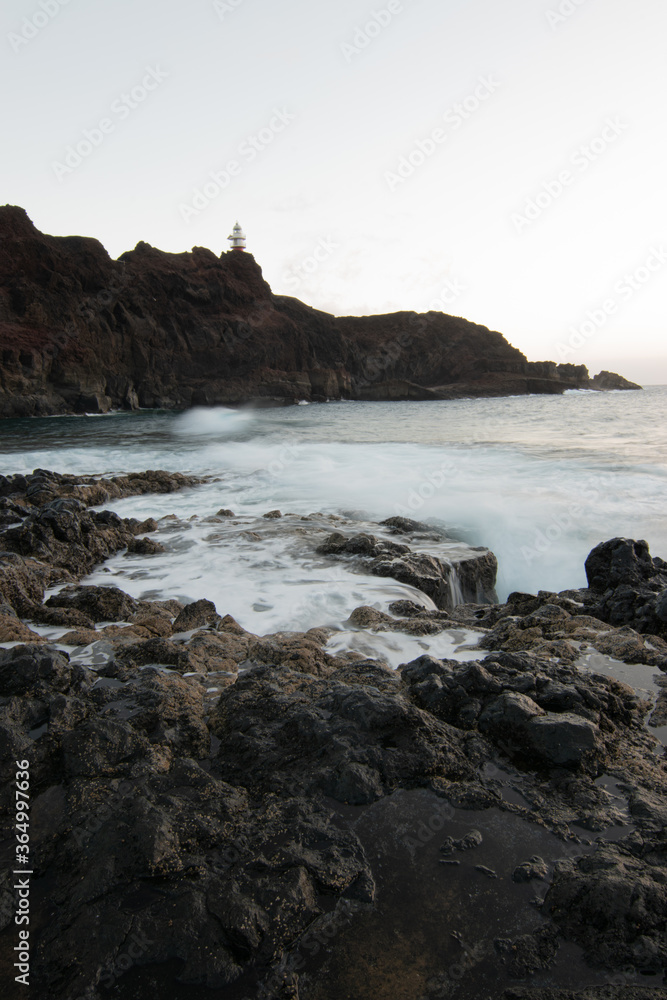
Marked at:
<point>468,578</point>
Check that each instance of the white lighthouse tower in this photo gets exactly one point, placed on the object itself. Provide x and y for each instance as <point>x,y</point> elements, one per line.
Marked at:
<point>237,239</point>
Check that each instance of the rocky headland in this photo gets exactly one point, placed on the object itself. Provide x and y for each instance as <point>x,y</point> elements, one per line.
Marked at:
<point>80,332</point>
<point>217,813</point>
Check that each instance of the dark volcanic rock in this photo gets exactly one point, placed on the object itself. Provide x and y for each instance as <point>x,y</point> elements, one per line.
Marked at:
<point>529,870</point>
<point>615,905</point>
<point>23,581</point>
<point>628,585</point>
<point>607,381</point>
<point>561,739</point>
<point>43,486</point>
<point>196,615</point>
<point>469,578</point>
<point>618,992</point>
<point>360,741</point>
<point>620,561</point>
<point>81,332</point>
<point>467,843</point>
<point>68,536</point>
<point>32,669</point>
<point>102,748</point>
<point>54,538</point>
<point>360,545</point>
<point>511,697</point>
<point>13,630</point>
<point>145,547</point>
<point>98,603</point>
<point>157,650</point>
<point>530,953</point>
<point>211,839</point>
<point>141,839</point>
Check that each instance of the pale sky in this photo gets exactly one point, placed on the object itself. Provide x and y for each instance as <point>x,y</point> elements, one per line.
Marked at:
<point>380,156</point>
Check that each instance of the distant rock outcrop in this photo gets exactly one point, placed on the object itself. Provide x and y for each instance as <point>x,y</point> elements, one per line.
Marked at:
<point>80,332</point>
<point>607,381</point>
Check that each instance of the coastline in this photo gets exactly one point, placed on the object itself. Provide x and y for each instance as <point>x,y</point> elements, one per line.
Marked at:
<point>278,402</point>
<point>82,333</point>
<point>269,787</point>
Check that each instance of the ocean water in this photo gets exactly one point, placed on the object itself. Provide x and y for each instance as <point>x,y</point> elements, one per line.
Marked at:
<point>539,480</point>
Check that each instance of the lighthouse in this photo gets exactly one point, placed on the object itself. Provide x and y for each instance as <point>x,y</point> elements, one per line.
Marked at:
<point>237,239</point>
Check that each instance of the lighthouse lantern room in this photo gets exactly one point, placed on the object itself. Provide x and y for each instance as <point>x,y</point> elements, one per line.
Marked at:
<point>237,239</point>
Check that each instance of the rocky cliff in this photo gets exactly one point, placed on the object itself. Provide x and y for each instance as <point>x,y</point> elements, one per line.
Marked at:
<point>80,332</point>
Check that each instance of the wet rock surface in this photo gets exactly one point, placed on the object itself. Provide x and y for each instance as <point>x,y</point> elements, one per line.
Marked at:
<point>51,536</point>
<point>19,493</point>
<point>469,578</point>
<point>217,810</point>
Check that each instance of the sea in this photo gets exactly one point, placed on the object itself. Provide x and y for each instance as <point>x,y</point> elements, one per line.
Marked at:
<point>540,480</point>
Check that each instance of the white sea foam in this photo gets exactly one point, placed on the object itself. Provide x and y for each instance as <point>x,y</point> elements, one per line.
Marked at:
<point>397,648</point>
<point>265,573</point>
<point>539,480</point>
<point>541,517</point>
<point>215,422</point>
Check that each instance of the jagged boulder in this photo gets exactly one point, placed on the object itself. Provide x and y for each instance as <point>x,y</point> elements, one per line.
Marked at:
<point>98,603</point>
<point>628,585</point>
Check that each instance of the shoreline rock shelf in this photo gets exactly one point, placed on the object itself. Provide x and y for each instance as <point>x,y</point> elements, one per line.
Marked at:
<point>269,818</point>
